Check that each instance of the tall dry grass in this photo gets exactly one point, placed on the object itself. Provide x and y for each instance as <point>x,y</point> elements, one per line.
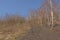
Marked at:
<point>12,27</point>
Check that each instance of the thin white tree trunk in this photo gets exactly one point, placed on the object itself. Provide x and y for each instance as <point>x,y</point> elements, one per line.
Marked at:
<point>51,14</point>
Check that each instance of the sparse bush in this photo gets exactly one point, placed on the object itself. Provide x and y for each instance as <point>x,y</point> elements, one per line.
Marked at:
<point>42,16</point>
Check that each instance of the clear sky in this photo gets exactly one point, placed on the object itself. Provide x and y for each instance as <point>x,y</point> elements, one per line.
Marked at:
<point>18,6</point>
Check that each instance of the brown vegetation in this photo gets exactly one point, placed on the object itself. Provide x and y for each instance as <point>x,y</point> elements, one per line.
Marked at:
<point>36,27</point>
<point>12,27</point>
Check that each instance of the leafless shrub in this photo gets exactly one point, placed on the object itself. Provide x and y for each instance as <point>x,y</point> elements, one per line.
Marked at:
<point>42,16</point>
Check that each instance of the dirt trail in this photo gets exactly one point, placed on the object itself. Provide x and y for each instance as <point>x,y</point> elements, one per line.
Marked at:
<point>43,33</point>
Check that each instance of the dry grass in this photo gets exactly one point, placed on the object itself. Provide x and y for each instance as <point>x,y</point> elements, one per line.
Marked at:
<point>13,27</point>
<point>16,27</point>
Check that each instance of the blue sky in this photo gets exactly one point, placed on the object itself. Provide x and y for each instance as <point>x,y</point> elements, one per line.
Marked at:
<point>18,6</point>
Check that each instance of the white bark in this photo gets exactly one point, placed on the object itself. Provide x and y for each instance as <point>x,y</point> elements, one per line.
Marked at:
<point>51,13</point>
